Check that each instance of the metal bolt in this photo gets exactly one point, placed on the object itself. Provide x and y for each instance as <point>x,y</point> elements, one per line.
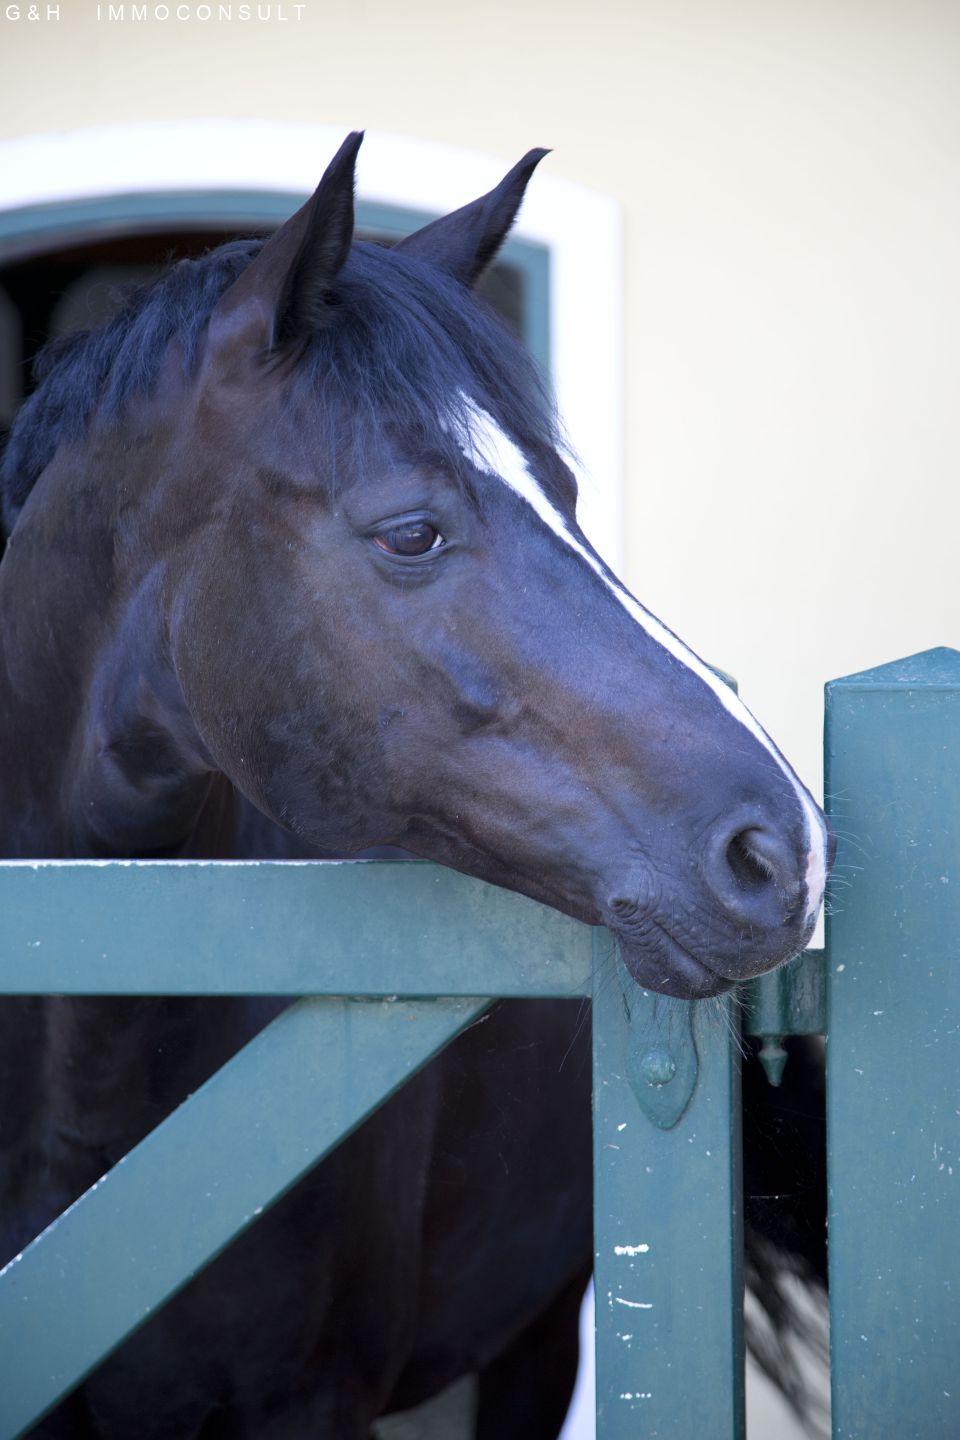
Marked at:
<point>658,1067</point>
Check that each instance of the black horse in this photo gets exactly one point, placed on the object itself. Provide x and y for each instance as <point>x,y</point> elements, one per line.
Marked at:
<point>293,569</point>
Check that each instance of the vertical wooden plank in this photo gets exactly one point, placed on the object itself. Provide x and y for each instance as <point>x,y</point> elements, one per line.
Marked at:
<point>893,1053</point>
<point>668,1218</point>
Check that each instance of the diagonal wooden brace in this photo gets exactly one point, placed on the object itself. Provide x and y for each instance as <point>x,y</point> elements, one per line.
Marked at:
<point>197,1181</point>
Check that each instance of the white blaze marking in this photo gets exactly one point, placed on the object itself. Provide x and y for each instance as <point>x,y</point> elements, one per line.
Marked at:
<point>487,448</point>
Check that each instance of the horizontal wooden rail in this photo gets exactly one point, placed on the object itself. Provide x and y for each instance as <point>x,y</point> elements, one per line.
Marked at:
<point>376,927</point>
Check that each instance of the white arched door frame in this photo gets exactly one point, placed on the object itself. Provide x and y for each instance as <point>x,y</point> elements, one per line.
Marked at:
<point>579,228</point>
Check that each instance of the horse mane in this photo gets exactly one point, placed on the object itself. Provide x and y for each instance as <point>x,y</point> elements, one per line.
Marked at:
<point>109,365</point>
<point>402,345</point>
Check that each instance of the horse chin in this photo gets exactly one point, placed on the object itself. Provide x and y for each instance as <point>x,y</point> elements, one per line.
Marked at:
<point>660,963</point>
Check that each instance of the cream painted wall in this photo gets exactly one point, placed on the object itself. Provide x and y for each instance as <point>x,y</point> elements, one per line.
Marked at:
<point>788,176</point>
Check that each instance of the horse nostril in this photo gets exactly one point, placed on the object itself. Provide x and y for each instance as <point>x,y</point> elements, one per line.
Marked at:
<point>752,868</point>
<point>754,872</point>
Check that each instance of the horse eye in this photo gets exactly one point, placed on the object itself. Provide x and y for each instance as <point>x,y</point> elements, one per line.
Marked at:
<point>416,537</point>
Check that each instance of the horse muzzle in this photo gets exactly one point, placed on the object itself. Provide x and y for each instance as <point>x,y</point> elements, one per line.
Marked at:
<point>744,907</point>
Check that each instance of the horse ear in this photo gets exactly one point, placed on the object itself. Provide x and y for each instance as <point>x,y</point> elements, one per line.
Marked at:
<point>464,243</point>
<point>284,294</point>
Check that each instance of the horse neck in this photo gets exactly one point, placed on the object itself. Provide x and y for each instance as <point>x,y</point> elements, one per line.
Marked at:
<point>96,760</point>
<point>100,756</point>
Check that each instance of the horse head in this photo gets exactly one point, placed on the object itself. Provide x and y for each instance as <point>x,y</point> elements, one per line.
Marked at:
<point>350,509</point>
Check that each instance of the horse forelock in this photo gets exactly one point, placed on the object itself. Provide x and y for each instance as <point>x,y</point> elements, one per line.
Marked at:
<point>403,341</point>
<point>406,342</point>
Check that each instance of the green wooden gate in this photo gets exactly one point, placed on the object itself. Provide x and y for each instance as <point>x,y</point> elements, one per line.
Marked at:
<point>666,1123</point>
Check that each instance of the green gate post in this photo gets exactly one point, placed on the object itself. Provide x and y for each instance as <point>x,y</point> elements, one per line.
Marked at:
<point>893,768</point>
<point>668,1228</point>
